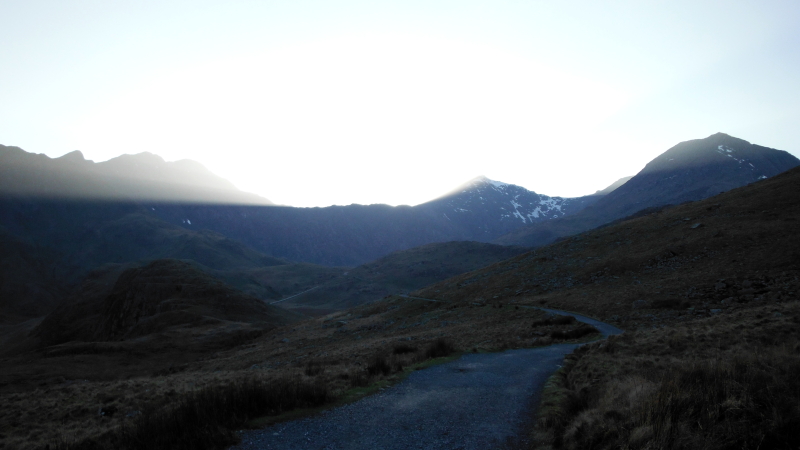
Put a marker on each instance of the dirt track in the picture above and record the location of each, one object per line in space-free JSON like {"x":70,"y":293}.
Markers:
{"x":475,"y":402}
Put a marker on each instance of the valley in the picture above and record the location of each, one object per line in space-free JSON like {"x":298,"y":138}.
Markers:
{"x":121,"y":319}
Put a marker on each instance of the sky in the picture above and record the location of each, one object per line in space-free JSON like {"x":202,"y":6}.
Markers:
{"x":314,"y":103}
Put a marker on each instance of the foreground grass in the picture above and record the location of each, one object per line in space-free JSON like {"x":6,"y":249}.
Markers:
{"x":208,"y":418}
{"x":205,"y":419}
{"x":353,"y":394}
{"x":660,"y":389}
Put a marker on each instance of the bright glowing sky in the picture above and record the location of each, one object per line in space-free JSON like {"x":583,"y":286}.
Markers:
{"x":317,"y":103}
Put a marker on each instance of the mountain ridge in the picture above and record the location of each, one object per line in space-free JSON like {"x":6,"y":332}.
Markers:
{"x":689,"y":171}
{"x":139,"y":177}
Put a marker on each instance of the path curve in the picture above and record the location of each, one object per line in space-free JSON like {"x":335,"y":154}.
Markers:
{"x":475,"y":402}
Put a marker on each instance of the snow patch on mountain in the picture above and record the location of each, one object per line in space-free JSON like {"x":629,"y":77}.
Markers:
{"x":509,"y":201}
{"x":727,"y":151}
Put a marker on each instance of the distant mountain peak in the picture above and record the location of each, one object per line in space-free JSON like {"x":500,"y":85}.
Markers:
{"x":485,"y":180}
{"x":721,"y":150}
{"x":689,"y":171}
{"x":479,"y":183}
{"x":492,"y":207}
{"x":73,"y":156}
{"x":143,"y":158}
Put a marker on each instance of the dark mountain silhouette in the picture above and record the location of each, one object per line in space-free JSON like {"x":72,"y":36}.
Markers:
{"x":481,"y":210}
{"x":692,"y":170}
{"x":85,"y":234}
{"x":141,"y":177}
{"x":52,"y":201}
{"x":31,"y":281}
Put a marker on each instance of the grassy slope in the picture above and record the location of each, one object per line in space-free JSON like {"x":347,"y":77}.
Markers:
{"x":710,"y":309}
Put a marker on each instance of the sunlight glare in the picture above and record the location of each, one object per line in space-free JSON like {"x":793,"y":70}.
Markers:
{"x":367,"y":109}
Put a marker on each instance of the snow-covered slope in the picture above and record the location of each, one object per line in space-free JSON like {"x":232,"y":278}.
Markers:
{"x":488,"y":207}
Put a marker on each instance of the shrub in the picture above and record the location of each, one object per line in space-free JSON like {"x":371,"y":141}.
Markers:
{"x":358,"y":379}
{"x":401,"y":349}
{"x":314,"y":368}
{"x":554,"y":320}
{"x":575,"y":333}
{"x":439,"y":348}
{"x":379,"y":365}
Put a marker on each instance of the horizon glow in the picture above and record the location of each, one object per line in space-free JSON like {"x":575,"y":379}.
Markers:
{"x":314,"y":104}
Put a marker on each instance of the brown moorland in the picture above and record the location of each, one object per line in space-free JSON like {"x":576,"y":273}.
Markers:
{"x":195,"y":376}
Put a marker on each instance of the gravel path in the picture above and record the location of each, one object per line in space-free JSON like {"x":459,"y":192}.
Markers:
{"x":475,"y":402}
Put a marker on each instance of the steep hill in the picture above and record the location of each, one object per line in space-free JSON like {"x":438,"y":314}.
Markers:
{"x":689,"y":171}
{"x":165,"y":294}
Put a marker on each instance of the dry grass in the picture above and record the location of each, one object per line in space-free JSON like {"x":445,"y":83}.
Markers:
{"x":660,"y":389}
{"x":750,"y":401}
{"x":207,"y":418}
{"x":49,"y":399}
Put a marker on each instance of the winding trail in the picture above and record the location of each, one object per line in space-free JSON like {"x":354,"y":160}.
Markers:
{"x":475,"y":402}
{"x":293,"y":296}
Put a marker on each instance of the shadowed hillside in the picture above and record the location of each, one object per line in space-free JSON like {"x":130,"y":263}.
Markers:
{"x":708,"y":294}
{"x":72,"y":238}
{"x":31,"y":281}
{"x":165,"y":294}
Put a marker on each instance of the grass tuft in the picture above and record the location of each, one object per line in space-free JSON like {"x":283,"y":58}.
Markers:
{"x":206,"y":419}
{"x":314,"y":368}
